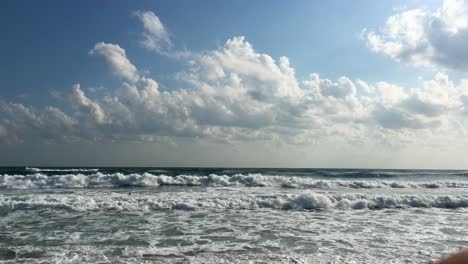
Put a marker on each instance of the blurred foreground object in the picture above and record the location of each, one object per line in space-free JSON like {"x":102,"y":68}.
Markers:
{"x":460,"y":257}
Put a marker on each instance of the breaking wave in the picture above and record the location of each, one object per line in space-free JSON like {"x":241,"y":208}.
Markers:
{"x":31,"y":169}
{"x":120,"y":180}
{"x":222,"y":201}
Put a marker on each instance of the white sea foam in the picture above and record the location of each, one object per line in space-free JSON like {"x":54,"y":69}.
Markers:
{"x":176,"y":255}
{"x":229,"y":218}
{"x":31,"y":169}
{"x":224,"y":200}
{"x":120,"y":180}
{"x":157,"y":171}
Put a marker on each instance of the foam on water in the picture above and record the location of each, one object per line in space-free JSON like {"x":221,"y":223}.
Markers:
{"x":120,"y":180}
{"x":175,"y":255}
{"x":216,"y":215}
{"x":31,"y":169}
{"x":224,"y":200}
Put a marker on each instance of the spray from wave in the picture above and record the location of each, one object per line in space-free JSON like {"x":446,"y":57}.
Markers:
{"x":120,"y":180}
{"x":32,"y":169}
{"x":226,"y":201}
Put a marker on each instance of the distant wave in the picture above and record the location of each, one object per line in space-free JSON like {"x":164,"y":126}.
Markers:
{"x":120,"y":180}
{"x":219,"y":200}
{"x":157,"y":171}
{"x":30,"y":169}
{"x":385,"y":173}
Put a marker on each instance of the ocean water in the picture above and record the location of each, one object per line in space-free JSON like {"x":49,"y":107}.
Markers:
{"x":219,"y":215}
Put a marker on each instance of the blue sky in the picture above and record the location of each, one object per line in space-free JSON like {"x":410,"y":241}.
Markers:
{"x":45,"y":44}
{"x":230,"y":77}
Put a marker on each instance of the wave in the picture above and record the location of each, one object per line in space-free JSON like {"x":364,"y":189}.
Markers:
{"x":31,"y":169}
{"x":157,"y":171}
{"x":223,"y":201}
{"x":120,"y":180}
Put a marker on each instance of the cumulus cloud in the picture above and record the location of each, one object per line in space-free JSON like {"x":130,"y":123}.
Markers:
{"x":342,"y":88}
{"x":115,"y":56}
{"x":155,"y":36}
{"x":364,"y":86}
{"x":389,"y":93}
{"x":426,"y":38}
{"x":422,"y":107}
{"x":236,"y":93}
{"x":250,"y":96}
{"x":86,"y":108}
{"x":23,"y":123}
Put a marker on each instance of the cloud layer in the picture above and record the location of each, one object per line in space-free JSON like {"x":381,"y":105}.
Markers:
{"x":425,"y":38}
{"x":236,"y":93}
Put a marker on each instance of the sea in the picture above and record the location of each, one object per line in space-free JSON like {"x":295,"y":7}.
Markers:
{"x":231,"y":215}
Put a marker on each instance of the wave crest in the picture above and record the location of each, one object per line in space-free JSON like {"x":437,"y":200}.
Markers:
{"x":120,"y":180}
{"x":222,"y":201}
{"x":32,"y":169}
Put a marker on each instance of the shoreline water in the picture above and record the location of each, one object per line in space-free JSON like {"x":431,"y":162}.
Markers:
{"x":86,"y":215}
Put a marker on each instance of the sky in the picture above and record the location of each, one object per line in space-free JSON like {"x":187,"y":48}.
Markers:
{"x":341,"y":84}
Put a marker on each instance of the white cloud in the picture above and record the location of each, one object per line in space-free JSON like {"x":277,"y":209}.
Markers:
{"x":423,"y":107}
{"x":344,"y":87}
{"x":155,"y":36}
{"x":424,"y":38}
{"x":115,"y":56}
{"x":239,"y":94}
{"x":390,"y":93}
{"x":86,"y":108}
{"x":364,"y":86}
{"x":22,"y":123}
